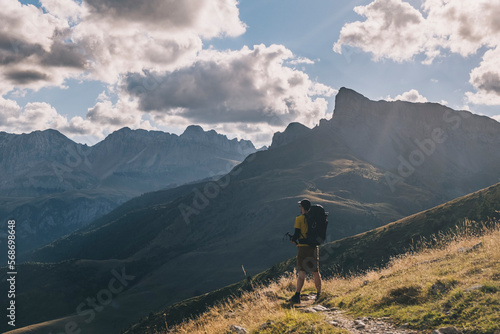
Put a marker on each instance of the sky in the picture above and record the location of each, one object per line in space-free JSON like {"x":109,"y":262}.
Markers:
{"x":244,"y":68}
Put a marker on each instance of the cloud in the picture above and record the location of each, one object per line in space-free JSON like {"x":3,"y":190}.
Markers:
{"x":129,"y":36}
{"x":110,"y":117}
{"x":205,"y":18}
{"x":410,"y":96}
{"x":463,"y":26}
{"x":496,"y":118}
{"x":245,"y":86}
{"x":301,"y":60}
{"x":248,"y":93}
{"x":393,"y":29}
{"x":486,"y":79}
{"x":104,"y":39}
{"x":102,"y":119}
{"x":34,"y":116}
{"x":33,"y":50}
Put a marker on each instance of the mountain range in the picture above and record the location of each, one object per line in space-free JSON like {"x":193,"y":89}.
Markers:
{"x":54,"y":186}
{"x":372,"y":163}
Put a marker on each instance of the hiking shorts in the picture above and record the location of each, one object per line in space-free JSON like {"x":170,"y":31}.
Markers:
{"x":308,"y":258}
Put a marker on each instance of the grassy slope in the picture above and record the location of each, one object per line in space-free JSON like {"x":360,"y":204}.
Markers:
{"x":350,"y":255}
{"x":438,"y":287}
{"x":453,"y":285}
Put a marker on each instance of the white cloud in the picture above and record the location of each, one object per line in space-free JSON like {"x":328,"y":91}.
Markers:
{"x":393,"y":29}
{"x":34,"y":116}
{"x":249,"y":86}
{"x":9,"y":108}
{"x":63,"y":9}
{"x":100,"y":120}
{"x":33,"y":49}
{"x":110,"y":117}
{"x":301,"y":60}
{"x":104,"y":39}
{"x":463,"y":26}
{"x":129,"y":36}
{"x":486,"y":79}
{"x":410,"y":96}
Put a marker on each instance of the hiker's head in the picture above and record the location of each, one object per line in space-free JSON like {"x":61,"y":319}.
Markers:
{"x":305,"y":205}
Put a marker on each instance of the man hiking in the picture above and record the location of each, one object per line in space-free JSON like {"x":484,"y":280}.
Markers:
{"x":307,"y":255}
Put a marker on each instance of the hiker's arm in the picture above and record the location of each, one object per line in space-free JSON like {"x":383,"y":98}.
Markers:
{"x":296,"y":235}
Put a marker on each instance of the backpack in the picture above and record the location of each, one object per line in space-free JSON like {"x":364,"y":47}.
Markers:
{"x":317,"y":222}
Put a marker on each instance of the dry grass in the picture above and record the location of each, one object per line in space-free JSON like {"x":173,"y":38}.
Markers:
{"x":256,"y":307}
{"x":452,"y":284}
{"x":456,"y":282}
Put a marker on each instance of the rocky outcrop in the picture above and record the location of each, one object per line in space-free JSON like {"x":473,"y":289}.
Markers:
{"x":293,"y":132}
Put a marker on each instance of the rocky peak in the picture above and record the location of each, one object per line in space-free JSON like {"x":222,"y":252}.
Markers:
{"x":413,"y":140}
{"x":292,"y":132}
{"x":195,"y":133}
{"x":193,"y":130}
{"x":36,"y":143}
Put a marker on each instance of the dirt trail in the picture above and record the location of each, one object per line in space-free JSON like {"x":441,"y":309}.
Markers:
{"x":338,"y":318}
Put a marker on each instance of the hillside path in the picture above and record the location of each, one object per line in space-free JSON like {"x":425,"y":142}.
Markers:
{"x":338,"y":318}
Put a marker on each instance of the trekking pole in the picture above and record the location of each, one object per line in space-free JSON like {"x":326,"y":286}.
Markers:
{"x":287,"y":235}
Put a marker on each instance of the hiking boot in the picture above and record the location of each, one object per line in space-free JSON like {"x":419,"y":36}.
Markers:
{"x":317,"y":296}
{"x":295,"y":299}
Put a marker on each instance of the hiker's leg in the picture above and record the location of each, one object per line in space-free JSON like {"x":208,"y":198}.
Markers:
{"x":317,"y":281}
{"x":301,"y":277}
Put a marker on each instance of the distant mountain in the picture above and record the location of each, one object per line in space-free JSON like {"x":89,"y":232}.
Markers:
{"x":149,"y":160}
{"x":365,"y":171}
{"x":45,"y":162}
{"x":53,"y":186}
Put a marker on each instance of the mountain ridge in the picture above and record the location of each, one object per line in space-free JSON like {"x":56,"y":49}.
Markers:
{"x":55,"y":186}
